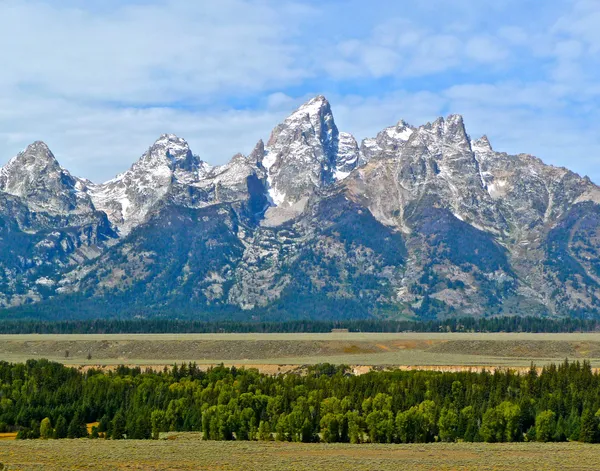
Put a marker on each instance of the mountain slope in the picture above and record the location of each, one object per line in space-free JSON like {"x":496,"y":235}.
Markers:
{"x":418,"y":221}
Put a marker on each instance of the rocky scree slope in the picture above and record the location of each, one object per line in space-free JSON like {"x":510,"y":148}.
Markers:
{"x":418,"y":221}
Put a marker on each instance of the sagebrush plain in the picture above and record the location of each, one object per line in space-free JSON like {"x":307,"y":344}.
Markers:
{"x":266,"y":351}
{"x":186,"y":451}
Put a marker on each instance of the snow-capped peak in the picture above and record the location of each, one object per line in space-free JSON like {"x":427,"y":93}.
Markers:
{"x":173,"y":151}
{"x":314,"y":108}
{"x":175,"y":147}
{"x":127,"y":198}
{"x":402,"y":131}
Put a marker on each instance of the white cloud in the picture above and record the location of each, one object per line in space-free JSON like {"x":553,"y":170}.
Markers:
{"x":149,"y":52}
{"x":485,"y":49}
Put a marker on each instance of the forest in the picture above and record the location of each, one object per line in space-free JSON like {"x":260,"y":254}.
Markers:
{"x":46,"y":400}
{"x":173,"y":325}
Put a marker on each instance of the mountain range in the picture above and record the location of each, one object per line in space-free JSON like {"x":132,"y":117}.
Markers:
{"x":421,"y":222}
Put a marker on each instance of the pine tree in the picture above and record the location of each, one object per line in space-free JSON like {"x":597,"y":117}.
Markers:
{"x":61,"y":429}
{"x":118,"y":426}
{"x":589,"y":427}
{"x":77,"y":427}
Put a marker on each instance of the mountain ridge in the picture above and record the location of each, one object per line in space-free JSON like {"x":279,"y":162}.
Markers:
{"x":416,"y":222}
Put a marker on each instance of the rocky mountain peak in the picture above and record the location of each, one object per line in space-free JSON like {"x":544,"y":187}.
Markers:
{"x":387,"y":143}
{"x":36,"y":176}
{"x":402,"y":131}
{"x":455,"y":127}
{"x":443,"y":135}
{"x":173,"y":152}
{"x":318,"y":111}
{"x":38,"y":150}
{"x":302,"y":153}
{"x":482,"y":144}
{"x":258,"y":153}
{"x":307,"y":152}
{"x":35,"y":158}
{"x":128,"y":198}
{"x":311,"y":121}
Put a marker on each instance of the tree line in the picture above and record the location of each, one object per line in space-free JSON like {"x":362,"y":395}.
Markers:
{"x":180,"y":326}
{"x":42,"y":399}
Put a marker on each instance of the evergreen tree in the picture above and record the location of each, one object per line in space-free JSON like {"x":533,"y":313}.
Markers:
{"x":157,"y":420}
{"x":77,"y":427}
{"x":589,"y":427}
{"x":118,"y":426}
{"x":61,"y":429}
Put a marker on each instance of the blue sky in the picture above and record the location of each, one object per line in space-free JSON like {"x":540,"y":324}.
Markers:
{"x":99,"y":80}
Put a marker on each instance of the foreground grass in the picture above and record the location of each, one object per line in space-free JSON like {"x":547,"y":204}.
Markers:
{"x":185,"y":451}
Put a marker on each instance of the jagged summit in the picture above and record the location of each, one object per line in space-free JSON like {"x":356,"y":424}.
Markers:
{"x":171,"y":151}
{"x":306,"y":153}
{"x":314,"y":108}
{"x":174,"y":145}
{"x":482,"y":144}
{"x":36,"y":176}
{"x":387,"y":143}
{"x":36,"y":155}
{"x":38,"y":149}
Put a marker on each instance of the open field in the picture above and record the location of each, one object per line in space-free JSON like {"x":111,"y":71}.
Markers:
{"x":188,"y":452}
{"x":267,"y":351}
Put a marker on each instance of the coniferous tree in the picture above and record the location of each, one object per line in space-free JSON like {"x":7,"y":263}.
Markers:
{"x":77,"y":427}
{"x":118,"y":426}
{"x":589,"y":427}
{"x":61,"y":429}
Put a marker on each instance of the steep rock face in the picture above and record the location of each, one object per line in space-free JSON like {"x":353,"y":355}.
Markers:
{"x":307,"y":152}
{"x":421,"y":221}
{"x":239,"y":180}
{"x":435,"y":165}
{"x":347,"y":158}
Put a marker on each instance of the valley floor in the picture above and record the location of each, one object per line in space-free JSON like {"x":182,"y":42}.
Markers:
{"x":185,"y":451}
{"x":274,"y":353}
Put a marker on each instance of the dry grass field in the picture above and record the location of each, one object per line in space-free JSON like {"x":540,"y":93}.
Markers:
{"x":268,"y":351}
{"x":188,"y":452}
